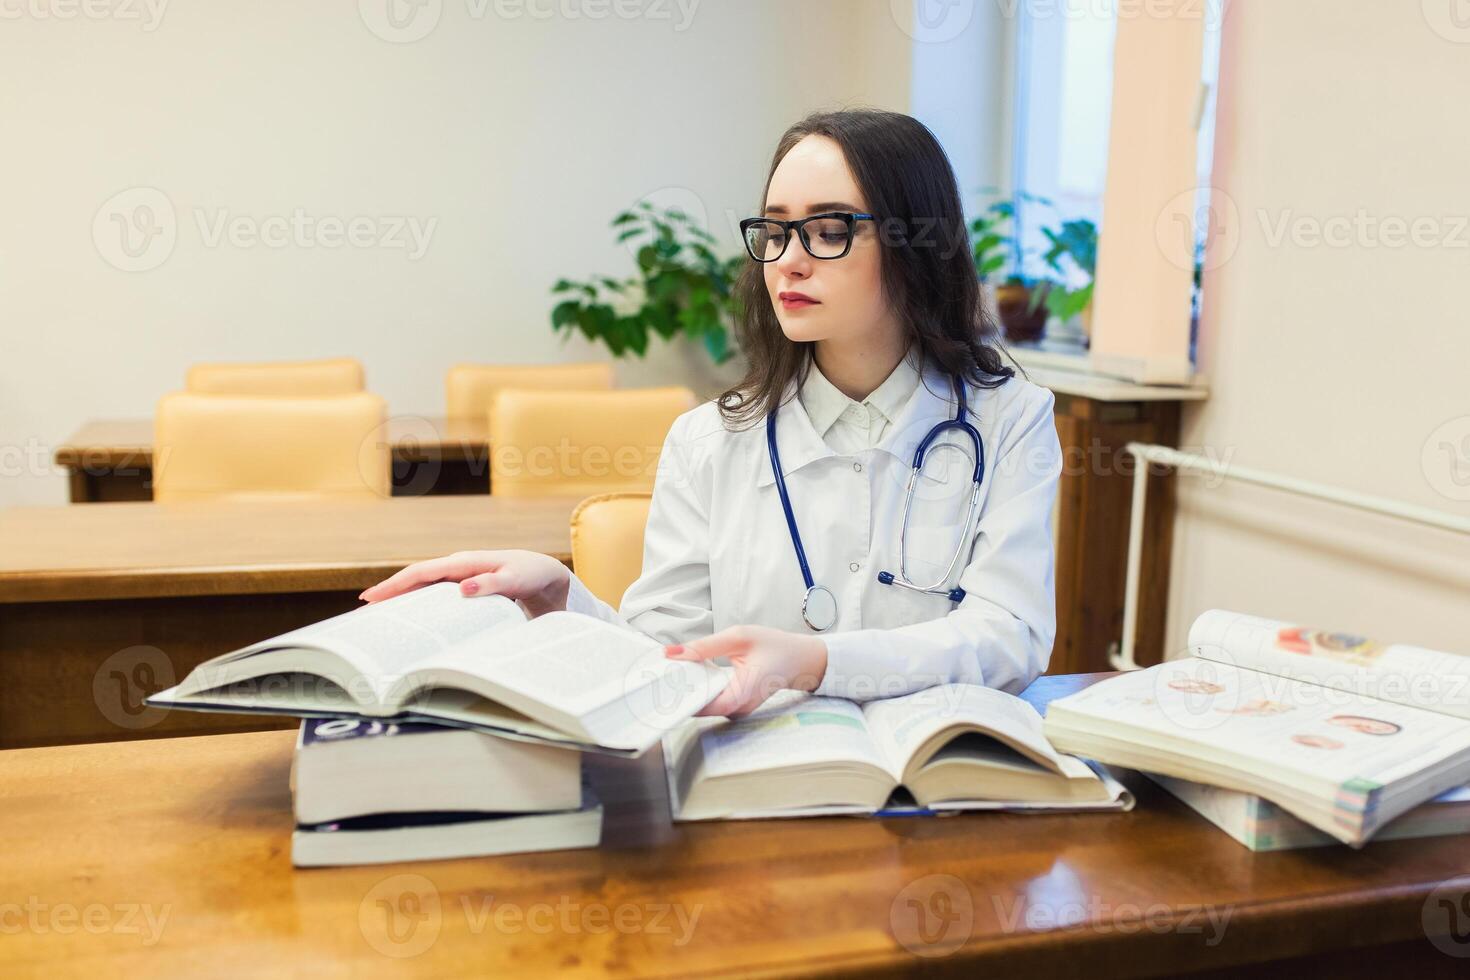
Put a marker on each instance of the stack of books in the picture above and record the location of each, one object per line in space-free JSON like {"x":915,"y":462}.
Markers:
{"x":439,"y":726}
{"x":369,"y":792}
{"x":1288,"y":736}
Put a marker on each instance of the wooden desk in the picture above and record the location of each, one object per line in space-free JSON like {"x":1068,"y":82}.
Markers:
{"x":102,"y":605}
{"x":112,"y":460}
{"x":194,"y":832}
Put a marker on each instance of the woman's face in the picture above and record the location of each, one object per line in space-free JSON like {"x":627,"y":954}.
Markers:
{"x":850,"y":306}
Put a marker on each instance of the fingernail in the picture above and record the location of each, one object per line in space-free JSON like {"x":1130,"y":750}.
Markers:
{"x":673,"y":649}
{"x":470,"y":588}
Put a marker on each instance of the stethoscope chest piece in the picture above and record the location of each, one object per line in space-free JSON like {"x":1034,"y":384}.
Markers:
{"x":819,"y":608}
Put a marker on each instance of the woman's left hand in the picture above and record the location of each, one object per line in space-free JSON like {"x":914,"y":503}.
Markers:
{"x":766,"y":660}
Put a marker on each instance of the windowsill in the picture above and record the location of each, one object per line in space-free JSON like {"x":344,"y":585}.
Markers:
{"x":1067,"y":370}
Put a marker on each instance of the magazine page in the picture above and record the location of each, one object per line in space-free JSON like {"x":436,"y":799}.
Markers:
{"x":1252,"y":721}
{"x":1430,"y":679}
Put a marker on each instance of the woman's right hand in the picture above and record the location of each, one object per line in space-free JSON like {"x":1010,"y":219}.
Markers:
{"x":539,"y":581}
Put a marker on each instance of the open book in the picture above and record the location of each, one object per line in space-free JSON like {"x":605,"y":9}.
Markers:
{"x":958,"y":746}
{"x":434,"y":655}
{"x":1340,"y":731}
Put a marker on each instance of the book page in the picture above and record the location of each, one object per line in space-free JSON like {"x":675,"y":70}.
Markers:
{"x":790,"y":729}
{"x":902,"y":725}
{"x":1404,"y":674}
{"x":571,"y":662}
{"x":1253,"y":720}
{"x":384,"y":640}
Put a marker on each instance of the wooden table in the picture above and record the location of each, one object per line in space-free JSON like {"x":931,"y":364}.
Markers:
{"x":102,"y":605}
{"x":112,"y":459}
{"x":177,"y":853}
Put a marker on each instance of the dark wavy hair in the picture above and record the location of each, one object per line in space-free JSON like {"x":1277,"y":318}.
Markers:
{"x":928,"y":272}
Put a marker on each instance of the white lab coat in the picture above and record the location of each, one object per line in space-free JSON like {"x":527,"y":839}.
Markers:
{"x":717,"y":552}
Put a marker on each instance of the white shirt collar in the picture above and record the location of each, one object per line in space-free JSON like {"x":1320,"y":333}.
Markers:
{"x":825,"y":402}
{"x":930,"y":401}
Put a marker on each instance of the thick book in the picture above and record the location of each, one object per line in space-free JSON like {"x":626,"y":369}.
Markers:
{"x":1263,"y":826}
{"x":1342,"y":732}
{"x":352,"y":767}
{"x":952,"y":747}
{"x":434,"y":655}
{"x":433,"y":836}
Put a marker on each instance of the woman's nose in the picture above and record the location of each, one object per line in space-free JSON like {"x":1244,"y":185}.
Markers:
{"x":796,"y":263}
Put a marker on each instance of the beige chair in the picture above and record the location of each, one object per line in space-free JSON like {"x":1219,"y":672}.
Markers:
{"x":221,"y":446}
{"x":607,"y":542}
{"x":578,"y":443}
{"x":338,"y":376}
{"x":471,"y":388}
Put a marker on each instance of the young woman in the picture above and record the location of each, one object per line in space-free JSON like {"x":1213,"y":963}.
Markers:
{"x":864,"y":323}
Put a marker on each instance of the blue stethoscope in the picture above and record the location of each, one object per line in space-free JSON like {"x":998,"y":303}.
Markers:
{"x":819,"y":605}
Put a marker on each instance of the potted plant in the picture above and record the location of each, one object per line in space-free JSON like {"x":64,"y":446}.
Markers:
{"x":681,"y":287}
{"x":1076,"y":242}
{"x":1019,"y":298}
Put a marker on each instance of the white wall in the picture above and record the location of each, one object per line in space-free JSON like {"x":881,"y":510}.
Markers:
{"x":518,"y":134}
{"x":1339,"y":351}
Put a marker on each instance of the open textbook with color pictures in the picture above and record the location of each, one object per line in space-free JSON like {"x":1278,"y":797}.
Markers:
{"x":433,"y":655}
{"x":953,"y":747}
{"x":1340,"y":731}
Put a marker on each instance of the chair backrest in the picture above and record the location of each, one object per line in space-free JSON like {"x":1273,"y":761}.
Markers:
{"x":338,"y":376}
{"x":234,"y":446}
{"x":607,"y":542}
{"x":471,"y":388}
{"x":578,"y":443}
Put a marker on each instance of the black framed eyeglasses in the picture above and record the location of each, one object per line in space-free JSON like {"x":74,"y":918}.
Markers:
{"x":825,"y":236}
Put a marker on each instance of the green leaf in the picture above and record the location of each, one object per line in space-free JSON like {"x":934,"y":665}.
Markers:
{"x":717,"y":343}
{"x":991,"y":266}
{"x":564,"y":314}
{"x":623,"y":218}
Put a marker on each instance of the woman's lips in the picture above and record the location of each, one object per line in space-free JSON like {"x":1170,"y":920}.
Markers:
{"x":791,"y":301}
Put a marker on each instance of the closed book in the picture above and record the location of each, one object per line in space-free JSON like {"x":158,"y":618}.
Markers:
{"x":385,"y":838}
{"x":348,"y":768}
{"x":1263,"y":826}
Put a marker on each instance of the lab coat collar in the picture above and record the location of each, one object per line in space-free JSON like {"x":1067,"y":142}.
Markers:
{"x":797,"y":439}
